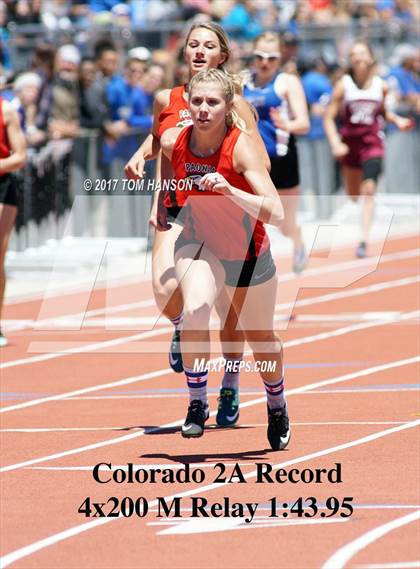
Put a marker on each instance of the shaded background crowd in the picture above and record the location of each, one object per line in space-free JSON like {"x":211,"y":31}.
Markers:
{"x":83,"y":76}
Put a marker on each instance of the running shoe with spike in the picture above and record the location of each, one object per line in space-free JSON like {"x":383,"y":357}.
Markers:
{"x":228,"y":410}
{"x":198,"y":413}
{"x":300,"y":260}
{"x":278,"y":431}
{"x":175,"y":356}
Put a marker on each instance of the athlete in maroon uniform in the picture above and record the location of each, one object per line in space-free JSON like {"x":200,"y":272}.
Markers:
{"x":12,"y":157}
{"x":359,"y":103}
{"x":223,"y":245}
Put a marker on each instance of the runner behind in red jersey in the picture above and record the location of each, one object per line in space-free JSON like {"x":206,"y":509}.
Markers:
{"x":223,"y":245}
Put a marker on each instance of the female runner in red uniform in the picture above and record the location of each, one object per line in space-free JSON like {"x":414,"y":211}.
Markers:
{"x":12,"y":158}
{"x":206,"y":46}
{"x":359,"y":102}
{"x":223,"y":245}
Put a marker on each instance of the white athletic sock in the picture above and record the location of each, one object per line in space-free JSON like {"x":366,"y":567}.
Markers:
{"x":197,"y":384}
{"x":177,"y":321}
{"x":231,"y":375}
{"x":275,"y":393}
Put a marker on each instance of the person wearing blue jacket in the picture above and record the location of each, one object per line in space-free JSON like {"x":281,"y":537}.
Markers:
{"x":317,"y":162}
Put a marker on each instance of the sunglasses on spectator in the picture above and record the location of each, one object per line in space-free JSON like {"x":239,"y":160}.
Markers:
{"x":260,"y":55}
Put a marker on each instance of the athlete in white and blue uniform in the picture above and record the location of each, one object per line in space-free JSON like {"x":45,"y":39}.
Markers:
{"x":280,"y":102}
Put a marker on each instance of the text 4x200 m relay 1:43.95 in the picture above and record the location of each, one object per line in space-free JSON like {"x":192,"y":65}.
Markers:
{"x":199,"y":507}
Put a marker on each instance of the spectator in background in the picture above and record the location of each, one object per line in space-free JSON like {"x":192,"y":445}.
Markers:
{"x":55,"y":14}
{"x":241,"y":21}
{"x":107,"y":61}
{"x":25,"y":11}
{"x":366,"y":10}
{"x":404,"y":81}
{"x":140,"y":58}
{"x":131,"y":107}
{"x":321,"y":11}
{"x":289,"y":49}
{"x":135,"y":106}
{"x":94,"y":110}
{"x":153,"y":81}
{"x":27,"y":87}
{"x":314,"y":153}
{"x":102,"y":5}
{"x":63,"y":121}
{"x":5,"y":60}
{"x":43,"y":64}
{"x":404,"y":11}
{"x":166,"y":60}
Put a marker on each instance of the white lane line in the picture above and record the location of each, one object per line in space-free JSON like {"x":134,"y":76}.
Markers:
{"x":345,"y":391}
{"x":43,"y":323}
{"x":341,"y":557}
{"x":79,"y":349}
{"x":179,"y":422}
{"x":124,"y":467}
{"x":81,"y":429}
{"x":9,"y":558}
{"x":62,"y":348}
{"x":347,"y":316}
{"x":340,"y":379}
{"x":396,"y":565}
{"x":111,"y":343}
{"x":89,"y":316}
{"x":165,"y":371}
{"x":359,"y":291}
{"x":389,"y":257}
{"x":206,"y":525}
{"x":6,"y":560}
{"x":350,"y":390}
{"x":353,"y":328}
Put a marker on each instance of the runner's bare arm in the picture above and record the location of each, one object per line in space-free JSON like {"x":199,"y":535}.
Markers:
{"x":297,"y":102}
{"x":16,"y":139}
{"x":338,"y":148}
{"x":265,"y":203}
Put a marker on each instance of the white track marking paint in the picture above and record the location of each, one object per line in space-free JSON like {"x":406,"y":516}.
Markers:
{"x":179,"y":422}
{"x":396,"y":565}
{"x":9,"y":558}
{"x":158,"y":373}
{"x":87,"y":348}
{"x":340,"y":379}
{"x":63,"y":321}
{"x":343,"y":555}
{"x":65,"y":351}
{"x":82,"y":429}
{"x":95,"y":346}
{"x":135,"y":466}
{"x":345,"y":265}
{"x":384,"y":285}
{"x":42,"y":323}
{"x":208,"y":525}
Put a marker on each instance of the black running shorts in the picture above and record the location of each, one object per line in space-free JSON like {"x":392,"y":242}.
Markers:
{"x":239,"y":273}
{"x":8,"y":192}
{"x":285,"y":169}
